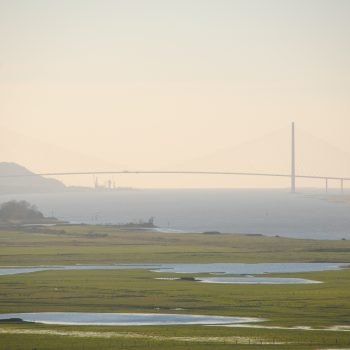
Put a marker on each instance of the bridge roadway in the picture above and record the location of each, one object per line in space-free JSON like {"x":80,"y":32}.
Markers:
{"x":180,"y":172}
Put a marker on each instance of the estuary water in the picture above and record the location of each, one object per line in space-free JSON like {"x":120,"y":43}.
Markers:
{"x":123,"y":319}
{"x":214,"y":268}
{"x":268,"y":212}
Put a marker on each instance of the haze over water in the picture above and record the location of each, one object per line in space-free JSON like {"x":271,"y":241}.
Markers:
{"x":268,"y":212}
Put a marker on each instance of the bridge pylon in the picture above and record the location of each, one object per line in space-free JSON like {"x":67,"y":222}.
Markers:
{"x":292,"y":174}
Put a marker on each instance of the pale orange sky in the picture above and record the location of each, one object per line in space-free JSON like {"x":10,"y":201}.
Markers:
{"x":157,"y":84}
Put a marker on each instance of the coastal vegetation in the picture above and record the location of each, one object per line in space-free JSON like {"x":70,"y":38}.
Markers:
{"x":21,"y":213}
{"x":19,"y":210}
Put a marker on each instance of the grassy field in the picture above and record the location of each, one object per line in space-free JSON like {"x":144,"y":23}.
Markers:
{"x":316,"y":305}
{"x":101,"y":244}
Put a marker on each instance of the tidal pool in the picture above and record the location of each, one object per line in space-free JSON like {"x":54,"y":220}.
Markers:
{"x":242,"y":280}
{"x":223,"y":268}
{"x":124,"y":319}
{"x":247,"y":269}
{"x":255,"y":280}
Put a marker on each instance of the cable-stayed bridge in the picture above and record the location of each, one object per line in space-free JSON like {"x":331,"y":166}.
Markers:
{"x":175,"y":172}
{"x":292,"y":175}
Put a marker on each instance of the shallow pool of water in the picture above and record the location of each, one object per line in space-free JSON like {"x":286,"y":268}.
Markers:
{"x":255,"y":280}
{"x":224,"y":268}
{"x":123,"y":319}
{"x":246,"y":269}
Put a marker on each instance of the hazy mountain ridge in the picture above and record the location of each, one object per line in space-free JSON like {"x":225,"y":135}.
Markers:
{"x":25,"y":182}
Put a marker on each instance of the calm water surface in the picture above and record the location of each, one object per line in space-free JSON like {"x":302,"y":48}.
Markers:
{"x":123,"y":319}
{"x":222,"y":268}
{"x":255,"y":280}
{"x":269,"y":212}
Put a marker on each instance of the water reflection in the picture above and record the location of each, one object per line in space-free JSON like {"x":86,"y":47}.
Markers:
{"x":123,"y":319}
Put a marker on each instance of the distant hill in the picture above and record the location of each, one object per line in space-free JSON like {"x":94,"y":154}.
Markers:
{"x":25,"y":182}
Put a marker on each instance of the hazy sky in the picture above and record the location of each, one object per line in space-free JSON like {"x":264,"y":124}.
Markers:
{"x":155,"y":84}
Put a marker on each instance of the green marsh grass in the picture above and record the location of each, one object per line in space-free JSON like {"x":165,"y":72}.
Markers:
{"x":315,"y":305}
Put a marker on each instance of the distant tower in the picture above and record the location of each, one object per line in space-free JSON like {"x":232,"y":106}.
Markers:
{"x":292,"y":174}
